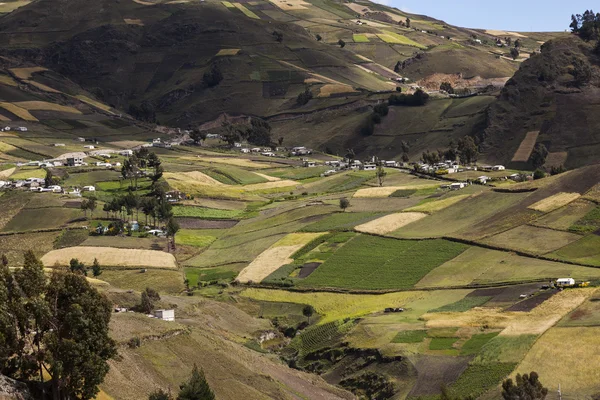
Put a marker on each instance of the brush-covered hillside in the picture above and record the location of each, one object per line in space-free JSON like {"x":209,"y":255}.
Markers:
{"x":182,"y":63}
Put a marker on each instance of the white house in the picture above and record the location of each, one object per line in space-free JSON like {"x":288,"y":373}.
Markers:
{"x":309,"y":164}
{"x":55,"y":188}
{"x":126,"y":153}
{"x":255,"y":150}
{"x":498,"y":168}
{"x":369,"y":167}
{"x":165,"y":315}
{"x":391,"y":164}
{"x":245,"y":150}
{"x":89,"y":146}
{"x":268,"y":154}
{"x":483,"y":179}
{"x":458,"y":185}
{"x":89,"y":188}
{"x":59,"y":145}
{"x":22,"y":129}
{"x":565,"y":282}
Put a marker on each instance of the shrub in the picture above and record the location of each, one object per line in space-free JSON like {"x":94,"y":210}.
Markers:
{"x":419,"y":98}
{"x":304,"y":97}
{"x":213,"y":76}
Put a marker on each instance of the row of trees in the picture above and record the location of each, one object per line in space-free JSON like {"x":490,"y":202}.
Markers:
{"x":54,"y":328}
{"x":586,"y":25}
{"x":465,"y":150}
{"x":136,"y":166}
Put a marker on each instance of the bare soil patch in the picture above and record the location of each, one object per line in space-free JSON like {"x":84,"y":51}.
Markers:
{"x":308,"y":269}
{"x":435,"y":371}
{"x":532,"y":302}
{"x":196,"y":223}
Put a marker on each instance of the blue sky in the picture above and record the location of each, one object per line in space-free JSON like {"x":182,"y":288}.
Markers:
{"x":514,"y":15}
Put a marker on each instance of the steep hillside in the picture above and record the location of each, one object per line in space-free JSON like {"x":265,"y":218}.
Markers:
{"x":555,"y":93}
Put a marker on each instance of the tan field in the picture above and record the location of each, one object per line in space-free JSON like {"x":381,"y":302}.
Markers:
{"x":358,"y":8}
{"x":270,"y":185}
{"x":386,"y":191}
{"x":144,"y":3}
{"x":7,"y":172}
{"x":276,"y":256}
{"x":526,"y":147}
{"x":127,"y":144}
{"x":43,"y":105}
{"x":239,"y":162}
{"x":43,"y":87}
{"x":496,"y":32}
{"x":575,"y":368}
{"x":389,"y":223}
{"x":329,"y":89}
{"x":554,"y":202}
{"x":513,"y":323}
{"x":133,"y":21}
{"x":3,"y":118}
{"x":18,"y":111}
{"x":288,"y":5}
{"x":227,"y":52}
{"x":438,"y":205}
{"x":94,"y":103}
{"x":110,"y":256}
{"x":7,"y":80}
{"x":268,"y":177}
{"x":25,"y":73}
{"x":200,"y":178}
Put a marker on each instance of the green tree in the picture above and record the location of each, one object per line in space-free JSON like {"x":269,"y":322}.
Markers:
{"x":528,"y":387}
{"x":514,"y":53}
{"x":77,"y":267}
{"x":308,"y":311}
{"x":304,"y":97}
{"x":92,"y":204}
{"x":196,"y":388}
{"x":78,"y":344}
{"x":538,"y":155}
{"x":318,"y":37}
{"x":408,"y":22}
{"x":96,"y":268}
{"x":197,"y":135}
{"x":146,"y":305}
{"x":172,"y":229}
{"x":447,"y":87}
{"x":344,"y":203}
{"x":467,"y":150}
{"x":380,"y":174}
{"x":539,"y":174}
{"x":341,"y":43}
{"x":213,"y":76}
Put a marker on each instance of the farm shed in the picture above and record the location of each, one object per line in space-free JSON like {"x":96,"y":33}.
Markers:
{"x":165,"y":315}
{"x":565,"y":282}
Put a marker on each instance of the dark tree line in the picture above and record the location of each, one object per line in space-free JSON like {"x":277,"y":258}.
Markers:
{"x":56,"y":327}
{"x":419,"y":98}
{"x":465,"y":150}
{"x":586,"y":25}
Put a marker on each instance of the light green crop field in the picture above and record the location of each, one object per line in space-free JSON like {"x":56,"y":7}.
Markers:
{"x":368,"y":262}
{"x":246,"y":12}
{"x":342,"y":221}
{"x":205,"y":213}
{"x":42,"y":218}
{"x":532,"y":239}
{"x":478,"y":265}
{"x":190,"y":237}
{"x":360,"y":38}
{"x":394,"y":38}
{"x":586,"y":250}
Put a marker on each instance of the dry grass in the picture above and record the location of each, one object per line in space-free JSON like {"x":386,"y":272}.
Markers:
{"x":390,"y":223}
{"x":496,"y":32}
{"x":526,"y":147}
{"x":144,"y":3}
{"x":110,"y":256}
{"x":93,"y":102}
{"x":239,"y":162}
{"x":7,"y":172}
{"x":270,"y":185}
{"x":438,"y":205}
{"x":45,"y":106}
{"x":18,"y":111}
{"x":26,"y":73}
{"x":593,"y":194}
{"x":133,"y":21}
{"x":330,"y":88}
{"x":556,"y":159}
{"x":43,"y":87}
{"x":289,"y":5}
{"x":276,"y":256}
{"x":7,"y":80}
{"x":554,"y":202}
{"x":386,"y":191}
{"x":268,"y":177}
{"x":566,"y":356}
{"x":513,"y":323}
{"x":5,"y":119}
{"x":227,"y":52}
{"x":200,"y":178}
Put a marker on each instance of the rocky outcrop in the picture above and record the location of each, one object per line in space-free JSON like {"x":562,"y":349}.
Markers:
{"x":13,"y":390}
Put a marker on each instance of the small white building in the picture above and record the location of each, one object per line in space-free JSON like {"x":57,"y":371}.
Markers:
{"x":165,"y":315}
{"x":89,"y":146}
{"x":391,"y":164}
{"x":245,"y":150}
{"x":59,"y":145}
{"x":458,"y":185}
{"x":369,"y":167}
{"x":562,"y":282}
{"x":483,"y":179}
{"x":126,"y":153}
{"x":268,"y":154}
{"x":55,"y":188}
{"x":22,"y":129}
{"x":89,"y":188}
{"x":309,"y":164}
{"x":498,"y":168}
{"x":255,"y":150}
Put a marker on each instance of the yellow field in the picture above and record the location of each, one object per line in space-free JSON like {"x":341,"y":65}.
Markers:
{"x":526,"y":147}
{"x":438,"y":205}
{"x":554,"y":202}
{"x":330,"y":88}
{"x":43,"y":87}
{"x":25,"y":73}
{"x":386,"y":191}
{"x":144,"y":3}
{"x":496,"y":32}
{"x":133,"y":21}
{"x":45,"y":106}
{"x":289,"y":5}
{"x":335,"y":306}
{"x":389,"y":223}
{"x":18,"y":111}
{"x":93,"y":102}
{"x":393,"y":37}
{"x":199,"y":178}
{"x":7,"y":80}
{"x":569,"y":357}
{"x":246,"y":12}
{"x":227,"y":52}
{"x":239,"y":162}
{"x":111,"y":257}
{"x":270,"y":185}
{"x":228,"y":4}
{"x":268,"y":177}
{"x":276,"y":256}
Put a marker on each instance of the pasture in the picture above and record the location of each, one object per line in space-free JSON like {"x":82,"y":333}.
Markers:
{"x":360,"y":38}
{"x":585,"y":250}
{"x":367,"y":262}
{"x":532,"y":239}
{"x":437,"y":205}
{"x":111,"y":257}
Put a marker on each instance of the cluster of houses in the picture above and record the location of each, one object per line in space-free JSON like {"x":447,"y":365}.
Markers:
{"x":17,"y":129}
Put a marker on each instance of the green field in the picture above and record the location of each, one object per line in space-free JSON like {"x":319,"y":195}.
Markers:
{"x":231,"y":175}
{"x":205,"y":213}
{"x":195,"y":275}
{"x":190,"y":237}
{"x":342,"y":221}
{"x":360,"y":38}
{"x":296,"y":174}
{"x":42,"y":218}
{"x":394,"y":38}
{"x":589,"y":223}
{"x":464,"y":304}
{"x":368,"y":262}
{"x":416,"y":336}
{"x":476,"y":343}
{"x":480,"y":377}
{"x":320,"y":336}
{"x":442,"y":343}
{"x":586,"y":251}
